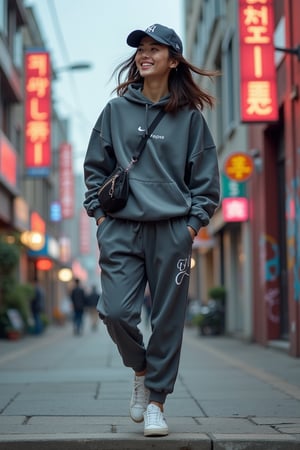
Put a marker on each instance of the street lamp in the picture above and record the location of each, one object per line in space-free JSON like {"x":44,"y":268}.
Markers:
{"x":70,"y":67}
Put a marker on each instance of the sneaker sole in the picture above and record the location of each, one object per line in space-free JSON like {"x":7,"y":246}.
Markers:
{"x":156,"y":432}
{"x":137,"y":421}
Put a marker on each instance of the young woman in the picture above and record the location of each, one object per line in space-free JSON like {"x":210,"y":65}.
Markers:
{"x":174,"y":190}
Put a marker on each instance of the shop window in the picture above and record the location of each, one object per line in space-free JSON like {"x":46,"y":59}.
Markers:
{"x":230,"y":85}
{"x":3,"y":17}
{"x":18,"y":49}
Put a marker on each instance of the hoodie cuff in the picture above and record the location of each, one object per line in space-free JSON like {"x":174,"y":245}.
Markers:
{"x":195,"y":223}
{"x":98,"y":213}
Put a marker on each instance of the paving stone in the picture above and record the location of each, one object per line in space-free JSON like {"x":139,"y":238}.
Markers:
{"x":76,"y":397}
{"x":230,"y":426}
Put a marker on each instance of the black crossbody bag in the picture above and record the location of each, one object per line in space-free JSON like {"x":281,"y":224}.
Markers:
{"x":113,"y":194}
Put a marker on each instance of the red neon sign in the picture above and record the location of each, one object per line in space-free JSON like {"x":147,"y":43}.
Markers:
{"x":235,"y":209}
{"x":8,"y":161}
{"x":257,"y":67}
{"x":44,"y":264}
{"x":66,"y":181}
{"x":37,"y":223}
{"x":37,"y":113}
{"x":84,"y":234}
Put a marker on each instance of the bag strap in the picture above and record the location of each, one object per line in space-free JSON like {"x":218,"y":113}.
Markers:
{"x":144,"y":139}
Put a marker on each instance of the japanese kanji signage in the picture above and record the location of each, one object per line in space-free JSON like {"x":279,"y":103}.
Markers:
{"x":37,"y":113}
{"x":257,"y":70}
{"x":238,"y":166}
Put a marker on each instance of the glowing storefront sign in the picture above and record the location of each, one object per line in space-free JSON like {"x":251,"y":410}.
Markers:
{"x":238,"y":166}
{"x":44,"y":264}
{"x":55,"y":212}
{"x":37,"y":223}
{"x":66,"y":181}
{"x":84,"y":233}
{"x":8,"y":161}
{"x":235,"y":209}
{"x":37,"y":113}
{"x":65,"y":274}
{"x":35,"y":238}
{"x":232,"y":188}
{"x":257,"y":64}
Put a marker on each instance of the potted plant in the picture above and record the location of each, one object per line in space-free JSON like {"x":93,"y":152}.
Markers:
{"x":210,"y":320}
{"x":217,"y":293}
{"x":14,"y":297}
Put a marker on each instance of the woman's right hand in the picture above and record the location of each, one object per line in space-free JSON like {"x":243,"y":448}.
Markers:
{"x":100,"y":220}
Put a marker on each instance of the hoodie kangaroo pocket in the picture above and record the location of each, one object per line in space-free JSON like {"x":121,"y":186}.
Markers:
{"x":163,"y":199}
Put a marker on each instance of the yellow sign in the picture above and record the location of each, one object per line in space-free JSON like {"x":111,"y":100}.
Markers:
{"x":239,"y":166}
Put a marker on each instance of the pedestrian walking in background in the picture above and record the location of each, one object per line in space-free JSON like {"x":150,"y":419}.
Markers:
{"x":174,"y":190}
{"x":91,"y":303}
{"x":37,"y":306}
{"x":78,"y":299}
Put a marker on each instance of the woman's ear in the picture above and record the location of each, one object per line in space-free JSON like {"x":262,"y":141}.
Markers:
{"x":173,"y":64}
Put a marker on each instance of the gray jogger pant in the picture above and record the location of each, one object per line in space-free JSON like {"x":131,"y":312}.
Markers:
{"x":132,"y":253}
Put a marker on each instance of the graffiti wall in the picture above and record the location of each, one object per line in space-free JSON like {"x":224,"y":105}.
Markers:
{"x":270,"y":266}
{"x":293,"y":234}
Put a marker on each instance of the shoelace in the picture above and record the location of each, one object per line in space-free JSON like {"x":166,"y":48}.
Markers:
{"x":154,"y":414}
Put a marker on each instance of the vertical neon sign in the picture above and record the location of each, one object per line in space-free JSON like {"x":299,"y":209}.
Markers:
{"x":257,"y":67}
{"x":37,"y":113}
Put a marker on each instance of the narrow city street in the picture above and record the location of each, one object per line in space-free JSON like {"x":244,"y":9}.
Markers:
{"x":60,"y":391}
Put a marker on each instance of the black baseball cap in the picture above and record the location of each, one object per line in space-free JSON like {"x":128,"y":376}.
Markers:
{"x":159,"y":33}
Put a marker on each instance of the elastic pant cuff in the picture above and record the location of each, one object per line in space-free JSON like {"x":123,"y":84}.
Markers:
{"x":159,"y":397}
{"x":139,"y":368}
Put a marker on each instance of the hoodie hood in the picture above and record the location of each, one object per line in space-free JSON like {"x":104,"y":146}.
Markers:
{"x":134,"y":94}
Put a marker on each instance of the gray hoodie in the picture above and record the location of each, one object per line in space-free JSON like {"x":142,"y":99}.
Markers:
{"x":177,"y":174}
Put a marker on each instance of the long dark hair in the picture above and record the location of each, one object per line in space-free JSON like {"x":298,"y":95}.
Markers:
{"x":184,"y":91}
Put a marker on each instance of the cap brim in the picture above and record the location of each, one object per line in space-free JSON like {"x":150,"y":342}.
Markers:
{"x":134,"y":38}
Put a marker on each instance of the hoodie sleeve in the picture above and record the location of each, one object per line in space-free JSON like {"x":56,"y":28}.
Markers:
{"x":99,"y":162}
{"x":202,"y":174}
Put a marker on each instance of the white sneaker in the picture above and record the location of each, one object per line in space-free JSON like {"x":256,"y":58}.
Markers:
{"x":139,"y":399}
{"x":155,"y":423}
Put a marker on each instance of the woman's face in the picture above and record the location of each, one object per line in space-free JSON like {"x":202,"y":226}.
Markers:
{"x":152,"y":59}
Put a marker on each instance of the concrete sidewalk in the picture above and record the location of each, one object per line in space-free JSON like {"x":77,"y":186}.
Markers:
{"x":59,"y":392}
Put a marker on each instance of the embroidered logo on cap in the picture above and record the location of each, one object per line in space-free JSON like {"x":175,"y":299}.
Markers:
{"x":151,"y":29}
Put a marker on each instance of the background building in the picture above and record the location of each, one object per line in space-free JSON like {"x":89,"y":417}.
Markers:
{"x":255,"y":255}
{"x":31,"y":202}
{"x":256,"y":259}
{"x":212,"y":43}
{"x":275,"y":187}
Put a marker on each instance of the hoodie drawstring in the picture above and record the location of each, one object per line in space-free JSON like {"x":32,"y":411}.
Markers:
{"x":146,"y":120}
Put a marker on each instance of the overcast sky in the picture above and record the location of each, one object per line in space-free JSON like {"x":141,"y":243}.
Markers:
{"x":94,"y":31}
